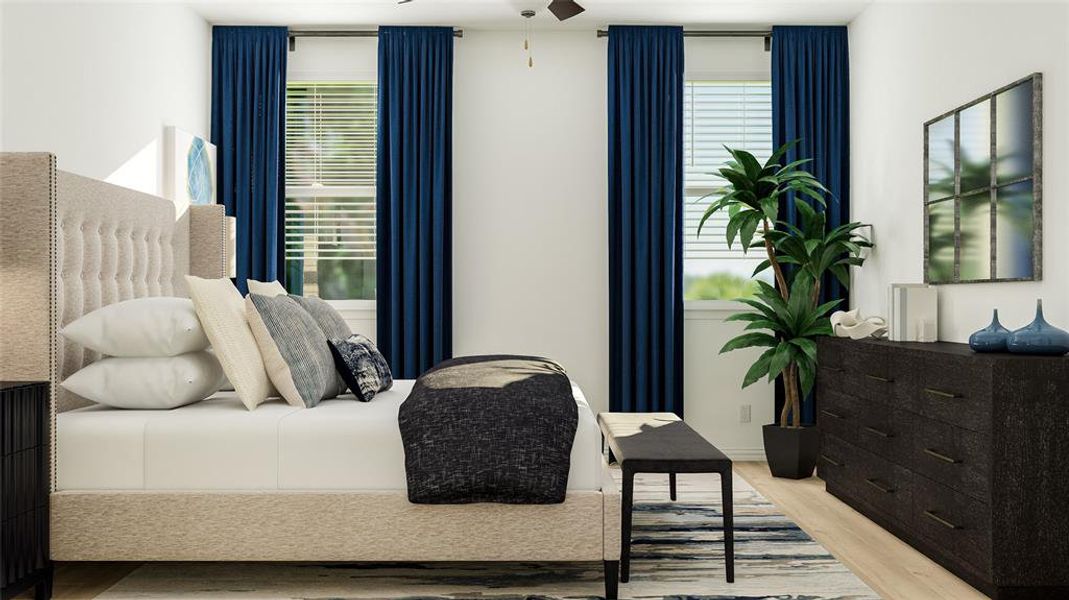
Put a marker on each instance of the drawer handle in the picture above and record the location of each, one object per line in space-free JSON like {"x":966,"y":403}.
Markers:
{"x":878,"y":378}
{"x":831,"y":414}
{"x":941,"y":456}
{"x":883,"y":488}
{"x":941,"y":393}
{"x":830,"y":461}
{"x":875,"y":431}
{"x":931,"y":515}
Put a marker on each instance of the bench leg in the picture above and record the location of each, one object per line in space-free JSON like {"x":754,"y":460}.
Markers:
{"x":672,"y":486}
{"x":729,"y":524}
{"x":612,"y":579}
{"x":625,"y":525}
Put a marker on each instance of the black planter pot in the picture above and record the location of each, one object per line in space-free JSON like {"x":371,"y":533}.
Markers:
{"x":791,"y":452}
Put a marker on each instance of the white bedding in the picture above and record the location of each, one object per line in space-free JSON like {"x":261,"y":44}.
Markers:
{"x":218,"y":444}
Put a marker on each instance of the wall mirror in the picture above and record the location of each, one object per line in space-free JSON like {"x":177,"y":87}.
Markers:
{"x":983,"y":165}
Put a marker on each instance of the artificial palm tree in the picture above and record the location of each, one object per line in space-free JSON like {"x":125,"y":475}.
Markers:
{"x":788,"y":317}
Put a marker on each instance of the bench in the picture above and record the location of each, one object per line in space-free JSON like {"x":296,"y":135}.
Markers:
{"x":663,"y":443}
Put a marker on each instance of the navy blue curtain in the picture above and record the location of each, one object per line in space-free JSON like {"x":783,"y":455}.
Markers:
{"x":811,"y":103}
{"x":248,"y":130}
{"x":646,"y":219}
{"x":415,"y":197}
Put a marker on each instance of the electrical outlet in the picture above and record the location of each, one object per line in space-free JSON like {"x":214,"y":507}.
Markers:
{"x":744,"y":413}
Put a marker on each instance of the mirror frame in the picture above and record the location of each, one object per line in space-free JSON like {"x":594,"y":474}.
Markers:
{"x":1036,"y":178}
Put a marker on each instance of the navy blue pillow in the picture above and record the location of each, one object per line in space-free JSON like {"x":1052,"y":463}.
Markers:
{"x":362,"y":366}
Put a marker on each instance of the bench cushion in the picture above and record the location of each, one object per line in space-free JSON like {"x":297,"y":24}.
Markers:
{"x":659,"y":442}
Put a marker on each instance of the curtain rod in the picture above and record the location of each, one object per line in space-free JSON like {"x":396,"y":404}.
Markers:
{"x":724,"y":33}
{"x":322,"y":33}
{"x":713,"y":33}
{"x":347,"y":33}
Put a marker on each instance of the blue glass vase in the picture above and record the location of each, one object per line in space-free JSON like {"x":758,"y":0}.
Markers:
{"x":1039,"y":337}
{"x":992,"y":338}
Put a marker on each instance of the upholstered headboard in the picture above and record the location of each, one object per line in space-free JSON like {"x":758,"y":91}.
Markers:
{"x":70,"y":244}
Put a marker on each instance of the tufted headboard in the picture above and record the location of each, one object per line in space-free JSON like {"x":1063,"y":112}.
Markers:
{"x":70,"y":244}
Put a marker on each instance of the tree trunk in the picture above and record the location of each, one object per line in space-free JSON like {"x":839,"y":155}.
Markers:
{"x":785,"y":412}
{"x":781,"y":281}
{"x":792,"y":404}
{"x":796,"y":410}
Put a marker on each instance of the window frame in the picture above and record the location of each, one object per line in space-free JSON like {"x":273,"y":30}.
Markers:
{"x":350,"y":304}
{"x":716,"y":306}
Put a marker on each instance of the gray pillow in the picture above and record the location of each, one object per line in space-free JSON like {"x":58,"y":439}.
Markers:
{"x":331,"y":322}
{"x":296,"y":355}
{"x":362,"y":366}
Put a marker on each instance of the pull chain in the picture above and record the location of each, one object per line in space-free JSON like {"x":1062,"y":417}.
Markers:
{"x":527,"y":14}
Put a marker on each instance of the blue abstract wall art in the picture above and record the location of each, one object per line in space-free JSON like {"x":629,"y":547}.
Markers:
{"x":200,"y":178}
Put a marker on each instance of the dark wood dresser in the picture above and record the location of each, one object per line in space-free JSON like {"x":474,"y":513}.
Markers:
{"x":25,"y":439}
{"x":964,"y":456}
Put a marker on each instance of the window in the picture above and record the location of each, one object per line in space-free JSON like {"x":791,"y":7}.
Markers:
{"x":330,"y":189}
{"x":718,"y":113}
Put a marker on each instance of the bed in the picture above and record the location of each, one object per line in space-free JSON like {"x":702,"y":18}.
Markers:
{"x":218,"y":444}
{"x":213,"y":481}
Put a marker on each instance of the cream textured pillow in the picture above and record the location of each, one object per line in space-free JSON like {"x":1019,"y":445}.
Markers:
{"x":222,"y":313}
{"x":265,"y":288}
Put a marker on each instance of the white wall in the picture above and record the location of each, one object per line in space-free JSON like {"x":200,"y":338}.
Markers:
{"x":911,"y":62}
{"x":97,"y":83}
{"x":333,"y":59}
{"x":530,"y":219}
{"x":530,"y":249}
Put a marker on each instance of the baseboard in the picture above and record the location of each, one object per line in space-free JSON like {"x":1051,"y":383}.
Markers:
{"x":745,"y":454}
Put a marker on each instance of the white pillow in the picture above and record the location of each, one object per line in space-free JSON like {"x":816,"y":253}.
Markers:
{"x":265,"y":288}
{"x":222,"y":313}
{"x":140,"y":327}
{"x":157,"y":382}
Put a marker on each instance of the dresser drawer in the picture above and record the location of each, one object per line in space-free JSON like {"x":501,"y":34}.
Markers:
{"x":835,"y":461}
{"x":885,"y":431}
{"x":957,"y":458}
{"x":954,"y":523}
{"x":870,"y":374}
{"x":838,"y":415}
{"x":949,"y":389}
{"x":880,"y":484}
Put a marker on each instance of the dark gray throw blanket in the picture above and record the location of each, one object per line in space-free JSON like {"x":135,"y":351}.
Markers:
{"x":489,"y":429}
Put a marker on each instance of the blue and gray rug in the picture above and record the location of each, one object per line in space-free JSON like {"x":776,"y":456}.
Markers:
{"x":677,"y":553}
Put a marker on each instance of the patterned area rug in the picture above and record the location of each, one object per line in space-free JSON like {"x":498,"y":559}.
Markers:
{"x":677,"y":555}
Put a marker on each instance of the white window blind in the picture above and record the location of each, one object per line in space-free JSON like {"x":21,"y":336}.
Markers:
{"x":330,"y":188}
{"x":718,"y":113}
{"x":330,"y":133}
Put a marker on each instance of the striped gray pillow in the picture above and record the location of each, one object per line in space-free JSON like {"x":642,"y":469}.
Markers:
{"x":332,"y":324}
{"x":295,"y":349}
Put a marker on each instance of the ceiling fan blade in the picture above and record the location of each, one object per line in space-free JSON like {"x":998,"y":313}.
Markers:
{"x":564,"y":9}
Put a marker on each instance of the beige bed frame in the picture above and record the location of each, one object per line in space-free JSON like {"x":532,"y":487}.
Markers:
{"x":68,"y":245}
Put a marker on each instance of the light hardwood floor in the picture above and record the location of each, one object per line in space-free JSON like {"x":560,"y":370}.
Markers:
{"x":893,"y":569}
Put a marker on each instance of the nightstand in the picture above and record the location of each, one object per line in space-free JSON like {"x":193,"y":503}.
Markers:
{"x":25,"y":439}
